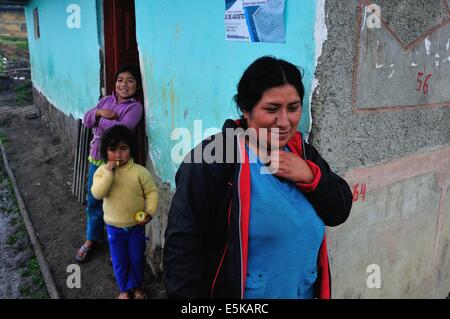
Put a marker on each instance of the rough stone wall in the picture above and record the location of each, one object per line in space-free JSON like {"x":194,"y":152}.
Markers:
{"x":12,"y":23}
{"x":66,"y":127}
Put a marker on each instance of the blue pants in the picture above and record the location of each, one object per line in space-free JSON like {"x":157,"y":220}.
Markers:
{"x":94,"y":210}
{"x":127,"y":248}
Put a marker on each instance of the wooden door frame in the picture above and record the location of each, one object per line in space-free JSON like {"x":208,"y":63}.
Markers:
{"x":112,"y":63}
{"x":111,"y":57}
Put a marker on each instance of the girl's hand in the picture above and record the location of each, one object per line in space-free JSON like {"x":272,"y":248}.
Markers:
{"x":146,"y":220}
{"x":291,"y":167}
{"x":112,"y":165}
{"x":107,"y":114}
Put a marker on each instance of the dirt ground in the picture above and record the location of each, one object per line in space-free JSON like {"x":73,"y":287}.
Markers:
{"x":43,"y":170}
{"x":12,"y":263}
{"x":20,"y":277}
{"x":9,"y":274}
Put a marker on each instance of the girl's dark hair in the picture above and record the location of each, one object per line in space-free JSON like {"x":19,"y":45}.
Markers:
{"x":265,"y":73}
{"x":134,"y":71}
{"x":113,"y":136}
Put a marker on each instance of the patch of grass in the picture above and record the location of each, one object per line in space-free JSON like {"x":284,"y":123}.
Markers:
{"x":8,"y":184}
{"x":12,"y":209}
{"x":15,"y":50}
{"x":13,"y":221}
{"x":32,"y":268}
{"x":11,"y":241}
{"x":20,"y":233}
{"x":2,"y":138}
{"x":35,"y":288}
{"x":2,"y":173}
{"x":23,"y":92}
{"x":10,"y":189}
{"x":22,"y":46}
{"x":6,"y":39}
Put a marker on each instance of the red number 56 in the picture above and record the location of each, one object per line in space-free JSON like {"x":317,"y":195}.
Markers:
{"x":425,"y":83}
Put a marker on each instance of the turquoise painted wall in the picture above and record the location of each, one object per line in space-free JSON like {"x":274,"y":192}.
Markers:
{"x":191,"y":72}
{"x":65,"y":62}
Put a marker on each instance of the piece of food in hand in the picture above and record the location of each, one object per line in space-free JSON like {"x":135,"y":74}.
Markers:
{"x":117,"y":163}
{"x":140,"y":216}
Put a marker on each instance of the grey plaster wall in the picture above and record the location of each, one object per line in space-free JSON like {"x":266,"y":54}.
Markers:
{"x":394,"y":229}
{"x":368,"y":111}
{"x":350,"y":139}
{"x":410,"y":18}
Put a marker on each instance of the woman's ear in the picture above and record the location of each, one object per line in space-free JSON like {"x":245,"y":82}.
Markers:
{"x":246,"y":115}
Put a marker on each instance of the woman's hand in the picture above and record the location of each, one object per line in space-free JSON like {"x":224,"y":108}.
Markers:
{"x":291,"y":167}
{"x":107,"y":114}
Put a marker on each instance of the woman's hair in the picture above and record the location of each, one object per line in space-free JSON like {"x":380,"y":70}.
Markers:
{"x":134,"y":71}
{"x":265,"y":73}
{"x":113,"y":136}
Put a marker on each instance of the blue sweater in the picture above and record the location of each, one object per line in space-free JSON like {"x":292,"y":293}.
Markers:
{"x":284,"y":238}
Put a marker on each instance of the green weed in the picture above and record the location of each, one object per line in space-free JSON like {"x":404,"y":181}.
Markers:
{"x":23,"y":92}
{"x":35,"y":289}
{"x":20,"y":233}
{"x":6,"y":39}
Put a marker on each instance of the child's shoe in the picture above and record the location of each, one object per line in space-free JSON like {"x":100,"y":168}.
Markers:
{"x":139,"y":294}
{"x":124,"y":295}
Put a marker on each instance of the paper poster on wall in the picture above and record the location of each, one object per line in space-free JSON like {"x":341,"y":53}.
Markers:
{"x":255,"y":20}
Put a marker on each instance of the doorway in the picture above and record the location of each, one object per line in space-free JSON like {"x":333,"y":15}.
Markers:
{"x":121,"y":48}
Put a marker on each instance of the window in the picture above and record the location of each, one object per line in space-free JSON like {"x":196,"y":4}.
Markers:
{"x":37,"y":33}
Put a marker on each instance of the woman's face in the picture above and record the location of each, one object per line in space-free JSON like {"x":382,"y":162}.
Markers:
{"x":279,"y":108}
{"x":126,"y":86}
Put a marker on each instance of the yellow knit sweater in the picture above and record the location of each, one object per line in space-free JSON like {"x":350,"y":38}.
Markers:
{"x":124,"y":192}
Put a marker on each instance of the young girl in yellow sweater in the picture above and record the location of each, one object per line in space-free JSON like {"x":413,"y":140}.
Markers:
{"x":129,"y":194}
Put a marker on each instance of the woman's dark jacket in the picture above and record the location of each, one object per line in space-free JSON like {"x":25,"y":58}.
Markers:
{"x":206,"y":240}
